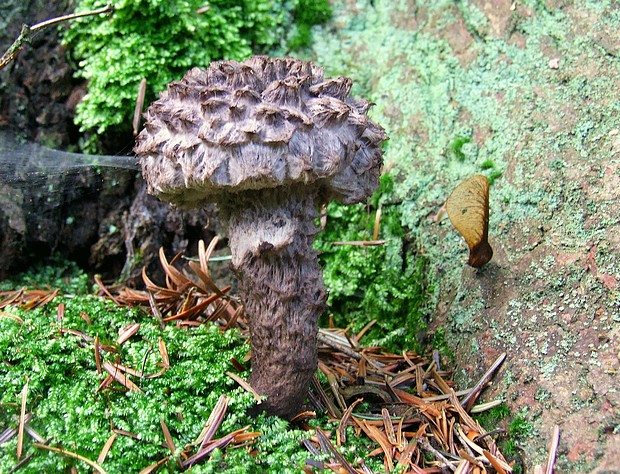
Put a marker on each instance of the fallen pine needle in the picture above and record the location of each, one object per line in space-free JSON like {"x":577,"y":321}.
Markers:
{"x":328,"y":448}
{"x":70,"y":454}
{"x":245,"y":385}
{"x":126,"y":332}
{"x":213,"y":422}
{"x":106,"y":448}
{"x":379,"y":437}
{"x":220,"y":443}
{"x":424,"y":443}
{"x":5,"y":314}
{"x":482,"y":407}
{"x":555,"y":440}
{"x":164,"y":353}
{"x":98,"y":356}
{"x":153,"y":467}
{"x":139,"y":105}
{"x":494,"y":462}
{"x":341,"y":434}
{"x":375,"y":231}
{"x":463,"y":467}
{"x":469,"y":400}
{"x":119,"y":377}
{"x":22,"y":422}
{"x":167,"y":436}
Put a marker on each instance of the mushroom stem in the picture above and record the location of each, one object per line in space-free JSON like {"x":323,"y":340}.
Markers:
{"x":281,"y":284}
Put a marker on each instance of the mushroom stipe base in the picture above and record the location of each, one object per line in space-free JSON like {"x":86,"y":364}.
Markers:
{"x":281,"y":284}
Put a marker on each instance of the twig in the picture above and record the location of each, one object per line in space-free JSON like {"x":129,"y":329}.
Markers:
{"x":324,"y":337}
{"x":26,"y":33}
{"x":426,"y":445}
{"x":469,"y":400}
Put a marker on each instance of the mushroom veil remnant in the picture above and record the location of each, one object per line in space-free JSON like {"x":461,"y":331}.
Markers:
{"x":270,"y":140}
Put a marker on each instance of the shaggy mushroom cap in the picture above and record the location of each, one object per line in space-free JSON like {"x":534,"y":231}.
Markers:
{"x":259,"y":124}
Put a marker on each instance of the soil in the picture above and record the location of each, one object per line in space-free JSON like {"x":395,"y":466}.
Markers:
{"x":101,"y":219}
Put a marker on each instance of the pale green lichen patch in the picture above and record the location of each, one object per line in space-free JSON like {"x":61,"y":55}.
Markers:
{"x":534,"y":85}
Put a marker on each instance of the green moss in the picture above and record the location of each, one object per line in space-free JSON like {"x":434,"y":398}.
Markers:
{"x":487,"y":165}
{"x":56,"y":273}
{"x":518,"y":432}
{"x":494,"y":175}
{"x":456,"y":148}
{"x":520,"y":427}
{"x":385,"y":283}
{"x":66,"y":407}
{"x":438,"y":341}
{"x":306,"y":14}
{"x":520,"y":114}
{"x":491,"y":419}
{"x":63,"y":379}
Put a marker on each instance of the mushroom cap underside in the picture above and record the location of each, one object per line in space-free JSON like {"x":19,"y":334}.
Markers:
{"x":262,"y":123}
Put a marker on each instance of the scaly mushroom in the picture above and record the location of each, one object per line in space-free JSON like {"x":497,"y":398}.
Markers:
{"x":270,"y":140}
